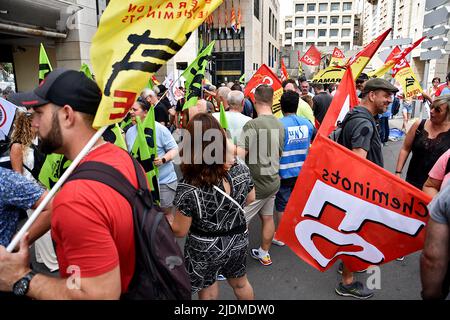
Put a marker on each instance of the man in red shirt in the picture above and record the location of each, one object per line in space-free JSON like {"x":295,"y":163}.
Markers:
{"x":91,"y":223}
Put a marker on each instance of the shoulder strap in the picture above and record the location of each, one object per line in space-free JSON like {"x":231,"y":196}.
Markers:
{"x":104,"y":173}
{"x":229,"y":197}
{"x":421,"y":125}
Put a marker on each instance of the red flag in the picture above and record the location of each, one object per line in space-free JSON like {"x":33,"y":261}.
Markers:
{"x":338,"y":53}
{"x":311,"y":57}
{"x":344,"y":99}
{"x":346,"y":207}
{"x":284,"y":73}
{"x":359,"y":61}
{"x":265,"y":76}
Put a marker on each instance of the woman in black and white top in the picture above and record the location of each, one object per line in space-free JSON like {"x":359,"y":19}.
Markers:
{"x":209,"y":202}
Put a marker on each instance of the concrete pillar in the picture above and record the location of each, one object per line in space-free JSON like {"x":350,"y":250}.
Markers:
{"x":75,"y":49}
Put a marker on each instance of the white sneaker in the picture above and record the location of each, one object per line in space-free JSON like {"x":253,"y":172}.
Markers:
{"x":278,"y":242}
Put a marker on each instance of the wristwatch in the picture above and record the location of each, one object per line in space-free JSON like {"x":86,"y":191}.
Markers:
{"x":20,"y":288}
{"x":163,"y":160}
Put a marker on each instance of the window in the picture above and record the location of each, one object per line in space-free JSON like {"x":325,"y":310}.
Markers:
{"x":298,"y":33}
{"x":346,"y":19}
{"x":345,"y":32}
{"x":345,"y":45}
{"x":310,"y":33}
{"x":335,"y":6}
{"x":347,"y":6}
{"x":334,"y":19}
{"x":322,"y":20}
{"x":256,"y":9}
{"x":288,"y":24}
{"x":309,"y":44}
{"x":322,"y":33}
{"x":321,"y":44}
{"x":299,"y":21}
{"x":311,"y":7}
{"x":334,"y":32}
{"x":334,"y":44}
{"x":323,"y":7}
{"x":310,"y":20}
{"x":288,"y":36}
{"x":299,"y":7}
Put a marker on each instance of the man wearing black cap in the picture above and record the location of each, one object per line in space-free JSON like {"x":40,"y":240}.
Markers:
{"x":360,"y":135}
{"x":91,"y":224}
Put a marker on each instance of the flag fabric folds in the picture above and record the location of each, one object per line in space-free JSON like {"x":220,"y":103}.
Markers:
{"x":311,"y":57}
{"x":265,"y":76}
{"x":358,"y":62}
{"x":344,"y":207}
{"x":145,"y":150}
{"x":194,"y":75}
{"x":337,"y":58}
{"x":389,"y":63}
{"x":238,"y":22}
{"x":284,"y":73}
{"x":132,"y":42}
{"x":44,"y":63}
{"x":85,"y":69}
{"x":233,"y":24}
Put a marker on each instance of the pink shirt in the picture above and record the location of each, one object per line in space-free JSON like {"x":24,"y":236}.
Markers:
{"x":438,"y":170}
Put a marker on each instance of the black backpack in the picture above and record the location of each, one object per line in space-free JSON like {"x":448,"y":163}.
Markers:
{"x":160,"y":272}
{"x":39,"y":159}
{"x":336,"y":134}
{"x":395,"y":106}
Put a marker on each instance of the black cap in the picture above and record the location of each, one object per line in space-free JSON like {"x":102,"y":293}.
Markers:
{"x":379,"y":84}
{"x":63,"y":87}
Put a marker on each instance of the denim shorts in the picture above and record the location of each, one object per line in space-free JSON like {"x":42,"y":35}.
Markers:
{"x":282,"y":198}
{"x":408,"y":107}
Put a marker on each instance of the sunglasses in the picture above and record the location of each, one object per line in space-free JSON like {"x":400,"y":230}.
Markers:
{"x":436,"y":109}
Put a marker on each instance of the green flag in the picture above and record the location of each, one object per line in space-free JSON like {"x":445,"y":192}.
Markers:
{"x":150,"y":83}
{"x":114,"y":134}
{"x":145,"y":150}
{"x":44,"y":64}
{"x":194,"y":75}
{"x":242,"y":79}
{"x":223,"y":117}
{"x":126,"y":122}
{"x":52,"y":169}
{"x":85,"y":69}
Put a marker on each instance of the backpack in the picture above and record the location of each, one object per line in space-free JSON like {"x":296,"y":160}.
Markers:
{"x":39,"y":159}
{"x":395,"y":108}
{"x":160,"y":272}
{"x":336,"y":134}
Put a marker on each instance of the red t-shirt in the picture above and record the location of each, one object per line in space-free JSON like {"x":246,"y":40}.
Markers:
{"x":92,"y":224}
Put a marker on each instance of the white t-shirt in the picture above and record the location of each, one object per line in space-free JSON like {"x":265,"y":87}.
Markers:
{"x":236,"y":122}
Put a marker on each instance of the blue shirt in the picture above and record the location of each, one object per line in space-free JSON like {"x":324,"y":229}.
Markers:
{"x":16,"y":192}
{"x":164,"y":143}
{"x":298,"y":132}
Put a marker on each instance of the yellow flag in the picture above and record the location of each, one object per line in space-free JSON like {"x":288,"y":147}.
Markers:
{"x":403,"y":73}
{"x":134,"y":39}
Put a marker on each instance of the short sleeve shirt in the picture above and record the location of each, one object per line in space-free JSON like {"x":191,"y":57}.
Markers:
{"x":210,"y":210}
{"x":440,"y":206}
{"x":360,"y":132}
{"x":438,"y":170}
{"x":16,"y":192}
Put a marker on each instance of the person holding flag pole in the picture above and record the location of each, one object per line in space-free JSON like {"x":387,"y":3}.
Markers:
{"x":69,"y":104}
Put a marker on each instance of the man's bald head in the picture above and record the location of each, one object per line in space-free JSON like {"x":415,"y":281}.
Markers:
{"x":236,"y":100}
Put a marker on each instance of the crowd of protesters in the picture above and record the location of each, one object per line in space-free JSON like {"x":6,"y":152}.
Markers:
{"x":210,"y":202}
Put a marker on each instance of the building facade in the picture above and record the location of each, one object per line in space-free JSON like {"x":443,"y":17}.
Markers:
{"x":324,"y":23}
{"x":406,"y":18}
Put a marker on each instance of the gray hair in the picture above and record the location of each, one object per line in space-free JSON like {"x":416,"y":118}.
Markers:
{"x":147,"y":93}
{"x":222,"y":92}
{"x":235,"y":99}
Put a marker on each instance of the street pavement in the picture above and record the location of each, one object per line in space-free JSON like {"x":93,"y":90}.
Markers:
{"x":290,"y":278}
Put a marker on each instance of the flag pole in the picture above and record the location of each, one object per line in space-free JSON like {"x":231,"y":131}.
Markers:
{"x":55,"y":188}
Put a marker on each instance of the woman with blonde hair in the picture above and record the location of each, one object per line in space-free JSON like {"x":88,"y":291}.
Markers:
{"x":24,"y":156}
{"x":427,"y":140}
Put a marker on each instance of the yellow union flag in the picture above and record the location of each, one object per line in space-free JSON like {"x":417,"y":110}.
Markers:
{"x":134,"y":39}
{"x":403,"y":73}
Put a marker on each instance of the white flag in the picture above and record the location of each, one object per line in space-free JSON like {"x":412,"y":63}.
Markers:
{"x":7,"y":112}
